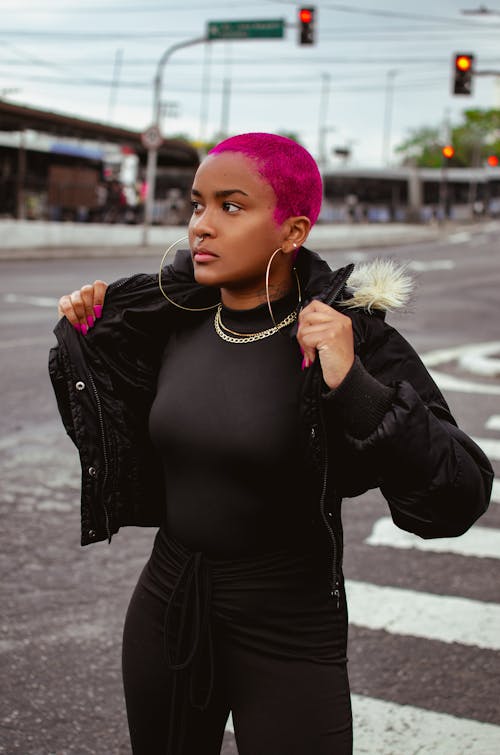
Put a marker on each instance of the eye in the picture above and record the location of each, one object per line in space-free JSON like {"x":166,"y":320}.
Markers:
{"x":195,"y":205}
{"x":230,"y":208}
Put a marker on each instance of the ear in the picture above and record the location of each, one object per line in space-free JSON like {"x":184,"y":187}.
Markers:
{"x":295,"y":232}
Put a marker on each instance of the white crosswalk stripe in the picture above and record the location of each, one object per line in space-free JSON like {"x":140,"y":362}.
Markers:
{"x":383,"y":728}
{"x":418,"y":614}
{"x":490,"y":446}
{"x":481,"y":542}
{"x":493,"y":423}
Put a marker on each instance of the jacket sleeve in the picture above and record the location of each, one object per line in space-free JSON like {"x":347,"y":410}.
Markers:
{"x":397,"y":433}
{"x":57,"y":374}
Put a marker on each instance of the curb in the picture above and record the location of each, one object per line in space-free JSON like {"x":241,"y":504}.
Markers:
{"x":322,"y":238}
{"x":316,"y":242}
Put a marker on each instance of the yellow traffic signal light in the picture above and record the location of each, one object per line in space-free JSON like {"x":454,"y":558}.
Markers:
{"x":463,"y":70}
{"x":306,"y":26}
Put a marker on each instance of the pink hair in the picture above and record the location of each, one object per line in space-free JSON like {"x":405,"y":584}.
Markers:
{"x":289,"y":169}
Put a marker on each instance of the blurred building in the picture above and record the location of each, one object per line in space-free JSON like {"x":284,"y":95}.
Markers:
{"x":57,"y":167}
{"x":382,"y":195}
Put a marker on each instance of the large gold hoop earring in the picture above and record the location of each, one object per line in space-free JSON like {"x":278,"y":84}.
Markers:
{"x":268,"y":298}
{"x":180,"y":306}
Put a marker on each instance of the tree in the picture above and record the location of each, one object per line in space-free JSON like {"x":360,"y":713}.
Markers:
{"x":422,"y":147}
{"x":474,"y":138}
{"x":477,"y":137}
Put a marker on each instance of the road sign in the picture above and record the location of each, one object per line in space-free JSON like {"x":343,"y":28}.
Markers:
{"x":267,"y":28}
{"x":152,"y":138}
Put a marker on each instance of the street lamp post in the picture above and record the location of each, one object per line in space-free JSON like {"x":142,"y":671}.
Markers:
{"x":153,"y":151}
{"x":482,"y":10}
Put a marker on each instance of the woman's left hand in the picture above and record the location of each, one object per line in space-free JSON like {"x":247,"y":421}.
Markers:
{"x":328,"y":333}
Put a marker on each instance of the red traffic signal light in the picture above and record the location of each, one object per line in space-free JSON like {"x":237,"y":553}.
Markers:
{"x":463,"y":70}
{"x":448,"y":151}
{"x":492,"y":161}
{"x":306,"y":26}
{"x":463,"y":62}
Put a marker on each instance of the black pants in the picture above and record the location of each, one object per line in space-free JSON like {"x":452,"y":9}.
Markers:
{"x":280,"y":705}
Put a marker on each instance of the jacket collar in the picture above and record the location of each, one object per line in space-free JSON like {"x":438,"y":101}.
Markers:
{"x":317,"y":279}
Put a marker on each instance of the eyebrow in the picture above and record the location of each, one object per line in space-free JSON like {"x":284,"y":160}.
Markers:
{"x":221,"y":192}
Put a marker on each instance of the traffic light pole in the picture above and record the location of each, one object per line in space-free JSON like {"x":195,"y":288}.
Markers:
{"x":153,"y":152}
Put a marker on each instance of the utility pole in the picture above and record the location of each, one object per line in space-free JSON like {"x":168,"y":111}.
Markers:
{"x":115,"y":84}
{"x":389,"y":94}
{"x":322,"y":121}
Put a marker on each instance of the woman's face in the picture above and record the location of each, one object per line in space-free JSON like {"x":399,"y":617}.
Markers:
{"x":232,"y":232}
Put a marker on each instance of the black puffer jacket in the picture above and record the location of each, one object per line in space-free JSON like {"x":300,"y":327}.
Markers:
{"x":386,"y":426}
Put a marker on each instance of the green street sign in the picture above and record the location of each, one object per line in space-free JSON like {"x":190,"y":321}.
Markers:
{"x":269,"y":28}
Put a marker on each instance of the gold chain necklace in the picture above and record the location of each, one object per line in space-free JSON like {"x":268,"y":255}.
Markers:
{"x":249,"y":337}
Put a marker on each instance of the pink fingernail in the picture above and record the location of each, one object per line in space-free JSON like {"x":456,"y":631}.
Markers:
{"x":98,"y":310}
{"x":77,"y":327}
{"x":305,"y":363}
{"x":90,"y":320}
{"x":85,"y":329}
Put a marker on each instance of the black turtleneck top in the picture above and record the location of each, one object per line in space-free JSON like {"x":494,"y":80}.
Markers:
{"x":225,"y":421}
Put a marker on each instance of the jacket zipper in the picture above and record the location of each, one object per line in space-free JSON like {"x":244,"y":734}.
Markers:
{"x":104,"y":452}
{"x":334,"y":585}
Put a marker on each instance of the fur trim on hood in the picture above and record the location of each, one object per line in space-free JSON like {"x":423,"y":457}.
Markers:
{"x":381,"y":284}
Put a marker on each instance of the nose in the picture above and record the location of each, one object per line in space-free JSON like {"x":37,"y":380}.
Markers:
{"x":202,"y":225}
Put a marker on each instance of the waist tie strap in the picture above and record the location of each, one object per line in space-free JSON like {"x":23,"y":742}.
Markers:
{"x":188,"y":647}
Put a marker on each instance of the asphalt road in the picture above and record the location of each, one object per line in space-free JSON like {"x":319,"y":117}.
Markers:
{"x":427,"y":686}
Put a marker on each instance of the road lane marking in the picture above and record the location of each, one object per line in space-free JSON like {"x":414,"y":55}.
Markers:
{"x":35,"y":301}
{"x":433,"y":617}
{"x":476,"y":358}
{"x":451,"y":383}
{"x":422,"y":267}
{"x":23,"y":342}
{"x":481,"y":361}
{"x":493,"y":423}
{"x":381,"y":727}
{"x":495,"y":493}
{"x":480,"y":542}
{"x":440,"y":356}
{"x":490,"y":446}
{"x":459,"y":238}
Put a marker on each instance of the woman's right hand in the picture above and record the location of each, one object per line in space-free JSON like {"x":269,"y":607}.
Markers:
{"x":84,"y":306}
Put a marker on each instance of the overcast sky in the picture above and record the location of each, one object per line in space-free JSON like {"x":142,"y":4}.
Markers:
{"x":97,"y":59}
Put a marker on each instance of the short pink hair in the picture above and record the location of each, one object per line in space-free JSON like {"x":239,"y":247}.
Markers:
{"x":289,"y":169}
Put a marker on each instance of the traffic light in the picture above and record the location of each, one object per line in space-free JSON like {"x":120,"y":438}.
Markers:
{"x":448,"y":151}
{"x":463,"y":70}
{"x":306,"y":26}
{"x":492,"y":161}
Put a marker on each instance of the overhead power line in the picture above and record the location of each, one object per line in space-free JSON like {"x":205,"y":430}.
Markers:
{"x":385,"y":13}
{"x":241,"y":89}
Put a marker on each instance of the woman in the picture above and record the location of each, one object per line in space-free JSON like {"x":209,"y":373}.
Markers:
{"x":234,"y":405}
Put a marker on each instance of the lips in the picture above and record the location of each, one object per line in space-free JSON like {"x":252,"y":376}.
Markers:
{"x":201,"y":254}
